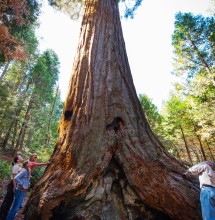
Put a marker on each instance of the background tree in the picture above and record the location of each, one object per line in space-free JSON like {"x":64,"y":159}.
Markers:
{"x":16,"y":18}
{"x":151,"y":112}
{"x":44,"y":75}
{"x":194,"y":41}
{"x":30,"y":103}
{"x":107,"y":163}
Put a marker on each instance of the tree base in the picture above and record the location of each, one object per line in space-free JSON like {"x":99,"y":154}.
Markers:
{"x":109,"y":197}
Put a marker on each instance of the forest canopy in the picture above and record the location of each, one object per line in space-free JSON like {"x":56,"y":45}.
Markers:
{"x":75,"y":8}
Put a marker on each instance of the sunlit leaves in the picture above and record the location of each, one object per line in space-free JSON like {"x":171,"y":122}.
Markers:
{"x":45,"y":74}
{"x":151,"y":112}
{"x":191,"y":106}
{"x":74,"y":7}
{"x":30,"y":88}
{"x":193,"y":42}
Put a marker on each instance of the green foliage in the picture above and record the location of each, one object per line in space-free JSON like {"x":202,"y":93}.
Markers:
{"x":193,"y":41}
{"x":75,"y":7}
{"x":176,"y":117}
{"x":4,"y":91}
{"x":28,"y":40}
{"x":36,"y":175}
{"x":188,"y":116}
{"x":27,"y":113}
{"x":39,"y":125}
{"x":5,"y":170}
{"x":151,"y":113}
{"x":30,"y":104}
{"x":72,"y":8}
{"x":44,"y":74}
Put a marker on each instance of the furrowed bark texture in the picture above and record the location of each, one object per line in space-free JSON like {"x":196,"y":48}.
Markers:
{"x":107,"y":163}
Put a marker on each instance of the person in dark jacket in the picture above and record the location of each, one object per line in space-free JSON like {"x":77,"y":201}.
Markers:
{"x":22,"y":184}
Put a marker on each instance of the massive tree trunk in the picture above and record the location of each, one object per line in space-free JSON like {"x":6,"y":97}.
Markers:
{"x":107,"y":164}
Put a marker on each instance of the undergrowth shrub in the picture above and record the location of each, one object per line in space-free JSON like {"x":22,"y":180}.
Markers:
{"x":5,"y":170}
{"x":36,"y":175}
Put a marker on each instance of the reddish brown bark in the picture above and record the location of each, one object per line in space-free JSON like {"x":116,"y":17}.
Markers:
{"x":107,"y":164}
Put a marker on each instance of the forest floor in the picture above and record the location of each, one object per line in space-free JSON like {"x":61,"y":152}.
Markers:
{"x":6,"y":156}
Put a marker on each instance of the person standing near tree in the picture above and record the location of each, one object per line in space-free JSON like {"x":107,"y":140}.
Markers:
{"x":33,"y":163}
{"x":205,"y":172}
{"x":8,"y":199}
{"x":22,"y":184}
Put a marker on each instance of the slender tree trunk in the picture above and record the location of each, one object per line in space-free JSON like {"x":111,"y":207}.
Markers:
{"x":4,"y":71}
{"x":23,"y":136}
{"x":4,"y":144}
{"x":204,"y":63}
{"x":196,"y":151}
{"x":200,"y":143}
{"x":4,"y":114}
{"x":24,"y":126}
{"x":201,"y":147}
{"x":176,"y":150}
{"x":48,"y":133}
{"x":209,"y":149}
{"x":196,"y":154}
{"x":30,"y":136}
{"x":107,"y":164}
{"x":14,"y":134}
{"x":186,"y":145}
{"x":13,"y":124}
{"x":22,"y":97}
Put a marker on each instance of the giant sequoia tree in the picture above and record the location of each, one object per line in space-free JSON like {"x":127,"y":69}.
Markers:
{"x":107,"y":163}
